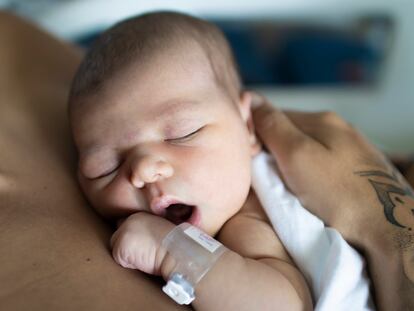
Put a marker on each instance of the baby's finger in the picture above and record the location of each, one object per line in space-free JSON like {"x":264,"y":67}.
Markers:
{"x":123,"y":257}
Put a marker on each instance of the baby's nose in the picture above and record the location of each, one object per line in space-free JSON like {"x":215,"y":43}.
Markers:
{"x":149,"y":169}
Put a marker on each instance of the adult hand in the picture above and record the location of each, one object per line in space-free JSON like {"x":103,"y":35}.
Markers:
{"x":334,"y":171}
{"x":352,"y":187}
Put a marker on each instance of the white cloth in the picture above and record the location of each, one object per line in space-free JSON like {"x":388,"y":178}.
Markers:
{"x":333,"y":269}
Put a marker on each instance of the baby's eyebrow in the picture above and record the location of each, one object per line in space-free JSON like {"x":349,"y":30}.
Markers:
{"x":90,"y":150}
{"x":174,"y":106}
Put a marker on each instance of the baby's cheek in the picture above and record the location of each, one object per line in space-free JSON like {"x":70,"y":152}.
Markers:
{"x":118,"y":200}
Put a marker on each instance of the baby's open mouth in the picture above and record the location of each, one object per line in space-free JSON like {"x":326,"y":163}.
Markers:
{"x":179,"y":213}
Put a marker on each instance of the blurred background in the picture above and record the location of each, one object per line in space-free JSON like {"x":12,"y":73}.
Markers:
{"x":354,"y":57}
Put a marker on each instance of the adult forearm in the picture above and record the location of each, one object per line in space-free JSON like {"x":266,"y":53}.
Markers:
{"x":391,"y":270}
{"x":388,"y":242}
{"x":390,"y":266}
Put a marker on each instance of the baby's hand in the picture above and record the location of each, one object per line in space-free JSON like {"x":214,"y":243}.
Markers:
{"x":136,"y":243}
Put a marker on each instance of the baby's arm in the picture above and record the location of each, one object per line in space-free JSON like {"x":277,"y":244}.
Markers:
{"x":256,"y":274}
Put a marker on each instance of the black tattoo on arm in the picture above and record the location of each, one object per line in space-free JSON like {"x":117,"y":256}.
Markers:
{"x":385,"y":190}
{"x":393,"y":191}
{"x":377,"y":173}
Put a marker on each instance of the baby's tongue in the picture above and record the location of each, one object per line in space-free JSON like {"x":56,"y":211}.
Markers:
{"x":178,"y":213}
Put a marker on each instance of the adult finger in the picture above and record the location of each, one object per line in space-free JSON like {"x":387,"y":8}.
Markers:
{"x":278,"y":133}
{"x":326,"y":127}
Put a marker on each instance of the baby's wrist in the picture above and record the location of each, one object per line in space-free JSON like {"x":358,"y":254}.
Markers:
{"x":189,"y":253}
{"x":167,"y":265}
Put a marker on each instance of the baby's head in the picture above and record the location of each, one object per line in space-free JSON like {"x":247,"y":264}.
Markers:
{"x":161,"y":123}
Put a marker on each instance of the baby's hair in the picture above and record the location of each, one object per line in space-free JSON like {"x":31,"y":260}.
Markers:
{"x":139,"y":37}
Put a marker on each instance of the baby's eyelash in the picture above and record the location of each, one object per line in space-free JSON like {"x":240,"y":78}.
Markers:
{"x":109,"y":172}
{"x":183,"y":138}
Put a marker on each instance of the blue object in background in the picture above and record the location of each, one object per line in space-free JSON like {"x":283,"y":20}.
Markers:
{"x":298,"y":57}
{"x":317,"y":58}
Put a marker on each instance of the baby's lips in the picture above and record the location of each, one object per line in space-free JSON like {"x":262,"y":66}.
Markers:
{"x":159,"y":205}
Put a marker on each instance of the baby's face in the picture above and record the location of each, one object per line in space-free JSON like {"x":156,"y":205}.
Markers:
{"x":165,"y":140}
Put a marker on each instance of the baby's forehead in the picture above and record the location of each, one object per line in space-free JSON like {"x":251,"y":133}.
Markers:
{"x":187,"y":55}
{"x":167,"y":80}
{"x":141,"y":38}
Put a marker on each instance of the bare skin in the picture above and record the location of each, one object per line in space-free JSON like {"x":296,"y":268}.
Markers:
{"x":256,"y":272}
{"x":44,"y":256}
{"x":259,"y":261}
{"x":358,"y":192}
{"x":54,"y":251}
{"x":210,"y":169}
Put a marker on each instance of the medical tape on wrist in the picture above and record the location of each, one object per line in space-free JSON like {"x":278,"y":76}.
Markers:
{"x":194,"y":253}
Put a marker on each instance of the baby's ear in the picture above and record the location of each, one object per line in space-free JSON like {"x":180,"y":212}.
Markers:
{"x":246,"y":114}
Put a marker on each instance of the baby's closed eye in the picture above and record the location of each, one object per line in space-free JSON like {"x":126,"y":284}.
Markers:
{"x":99,"y":166}
{"x":107,"y":172}
{"x":185,"y":137}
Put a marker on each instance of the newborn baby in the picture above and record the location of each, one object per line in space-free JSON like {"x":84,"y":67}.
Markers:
{"x":164,"y":135}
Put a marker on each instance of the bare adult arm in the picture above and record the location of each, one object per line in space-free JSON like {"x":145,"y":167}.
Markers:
{"x":349,"y":184}
{"x":54,"y":252}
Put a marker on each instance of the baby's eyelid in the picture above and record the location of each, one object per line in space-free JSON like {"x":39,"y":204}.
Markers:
{"x":185,"y":137}
{"x":107,"y":172}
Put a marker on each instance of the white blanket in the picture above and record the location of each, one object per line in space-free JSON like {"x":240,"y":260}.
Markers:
{"x":333,"y":269}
